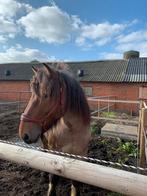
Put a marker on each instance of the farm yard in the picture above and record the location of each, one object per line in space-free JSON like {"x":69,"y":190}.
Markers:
{"x":20,"y":180}
{"x":117,"y":127}
{"x":73,"y":98}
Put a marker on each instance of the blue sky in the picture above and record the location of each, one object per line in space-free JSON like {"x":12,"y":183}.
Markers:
{"x":71,"y":30}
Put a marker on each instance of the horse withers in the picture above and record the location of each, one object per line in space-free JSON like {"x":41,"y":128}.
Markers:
{"x":58,"y":113}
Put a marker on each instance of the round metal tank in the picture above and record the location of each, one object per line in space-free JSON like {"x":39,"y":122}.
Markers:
{"x":131,"y":54}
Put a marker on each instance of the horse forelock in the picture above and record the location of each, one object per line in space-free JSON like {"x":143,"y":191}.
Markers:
{"x":46,"y":82}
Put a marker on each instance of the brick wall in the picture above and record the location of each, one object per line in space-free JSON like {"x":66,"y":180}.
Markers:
{"x":123,"y":91}
{"x":9,"y":90}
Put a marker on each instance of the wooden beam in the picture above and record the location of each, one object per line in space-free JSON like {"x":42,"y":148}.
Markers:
{"x":108,"y":178}
{"x":113,"y":100}
{"x":115,"y":119}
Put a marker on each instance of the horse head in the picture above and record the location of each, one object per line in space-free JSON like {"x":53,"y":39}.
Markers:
{"x":44,"y":105}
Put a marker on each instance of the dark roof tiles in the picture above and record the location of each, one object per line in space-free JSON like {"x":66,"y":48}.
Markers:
{"x":136,"y":70}
{"x":132,"y":70}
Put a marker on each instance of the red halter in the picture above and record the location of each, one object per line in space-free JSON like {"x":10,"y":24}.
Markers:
{"x":42,"y":122}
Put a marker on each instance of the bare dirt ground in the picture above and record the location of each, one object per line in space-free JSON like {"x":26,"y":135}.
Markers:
{"x":18,"y":180}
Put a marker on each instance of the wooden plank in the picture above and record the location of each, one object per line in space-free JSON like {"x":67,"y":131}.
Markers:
{"x":120,"y":135}
{"x":113,"y":100}
{"x":117,"y":130}
{"x":115,"y":120}
{"x":108,"y":178}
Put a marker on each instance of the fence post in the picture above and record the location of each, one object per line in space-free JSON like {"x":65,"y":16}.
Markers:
{"x":98,"y":108}
{"x":108,"y":105}
{"x":142,"y":138}
{"x":139,"y":121}
{"x":19,"y":102}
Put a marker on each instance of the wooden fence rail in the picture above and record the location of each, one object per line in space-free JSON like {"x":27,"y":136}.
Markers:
{"x":108,"y":178}
{"x":113,"y":100}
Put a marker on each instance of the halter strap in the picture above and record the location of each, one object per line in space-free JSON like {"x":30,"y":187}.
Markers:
{"x":26,"y":118}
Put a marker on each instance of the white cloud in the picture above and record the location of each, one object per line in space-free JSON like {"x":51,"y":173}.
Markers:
{"x":3,"y":39}
{"x":76,"y":22}
{"x":103,"y":41}
{"x":19,"y":54}
{"x":51,"y":24}
{"x":139,"y":46}
{"x":136,"y":36}
{"x":7,"y":26}
{"x":136,"y":40}
{"x":8,"y":29}
{"x":143,"y":49}
{"x":48,"y":24}
{"x":109,"y":55}
{"x":133,"y":22}
{"x":100,"y":33}
{"x":95,"y":31}
{"x":9,"y":8}
{"x":8,"y":11}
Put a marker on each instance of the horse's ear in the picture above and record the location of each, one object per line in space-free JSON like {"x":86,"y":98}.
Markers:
{"x":49,"y":69}
{"x":34,"y":69}
{"x":62,"y":66}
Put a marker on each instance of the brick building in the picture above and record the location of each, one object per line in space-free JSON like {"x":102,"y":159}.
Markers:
{"x":119,"y":78}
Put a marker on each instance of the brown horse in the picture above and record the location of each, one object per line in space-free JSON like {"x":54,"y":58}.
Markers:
{"x":58,"y":113}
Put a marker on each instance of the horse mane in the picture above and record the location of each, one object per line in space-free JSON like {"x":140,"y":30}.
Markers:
{"x":75,"y":98}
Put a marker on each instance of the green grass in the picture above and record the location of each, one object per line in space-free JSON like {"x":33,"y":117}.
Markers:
{"x":109,"y":114}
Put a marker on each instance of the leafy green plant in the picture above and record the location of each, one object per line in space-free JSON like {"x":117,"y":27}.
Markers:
{"x":129,"y":148}
{"x":95,"y":128}
{"x":109,"y":114}
{"x":104,"y":142}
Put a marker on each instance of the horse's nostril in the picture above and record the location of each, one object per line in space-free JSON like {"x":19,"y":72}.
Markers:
{"x":26,"y":138}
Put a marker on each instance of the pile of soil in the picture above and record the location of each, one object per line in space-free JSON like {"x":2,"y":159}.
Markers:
{"x":18,"y":180}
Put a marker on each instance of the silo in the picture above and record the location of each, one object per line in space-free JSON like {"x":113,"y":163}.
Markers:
{"x":131,"y":54}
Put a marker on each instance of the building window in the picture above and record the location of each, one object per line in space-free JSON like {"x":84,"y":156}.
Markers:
{"x":87,"y":91}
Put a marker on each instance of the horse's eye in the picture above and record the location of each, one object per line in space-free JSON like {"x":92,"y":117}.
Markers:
{"x":45,"y":96}
{"x":51,"y":93}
